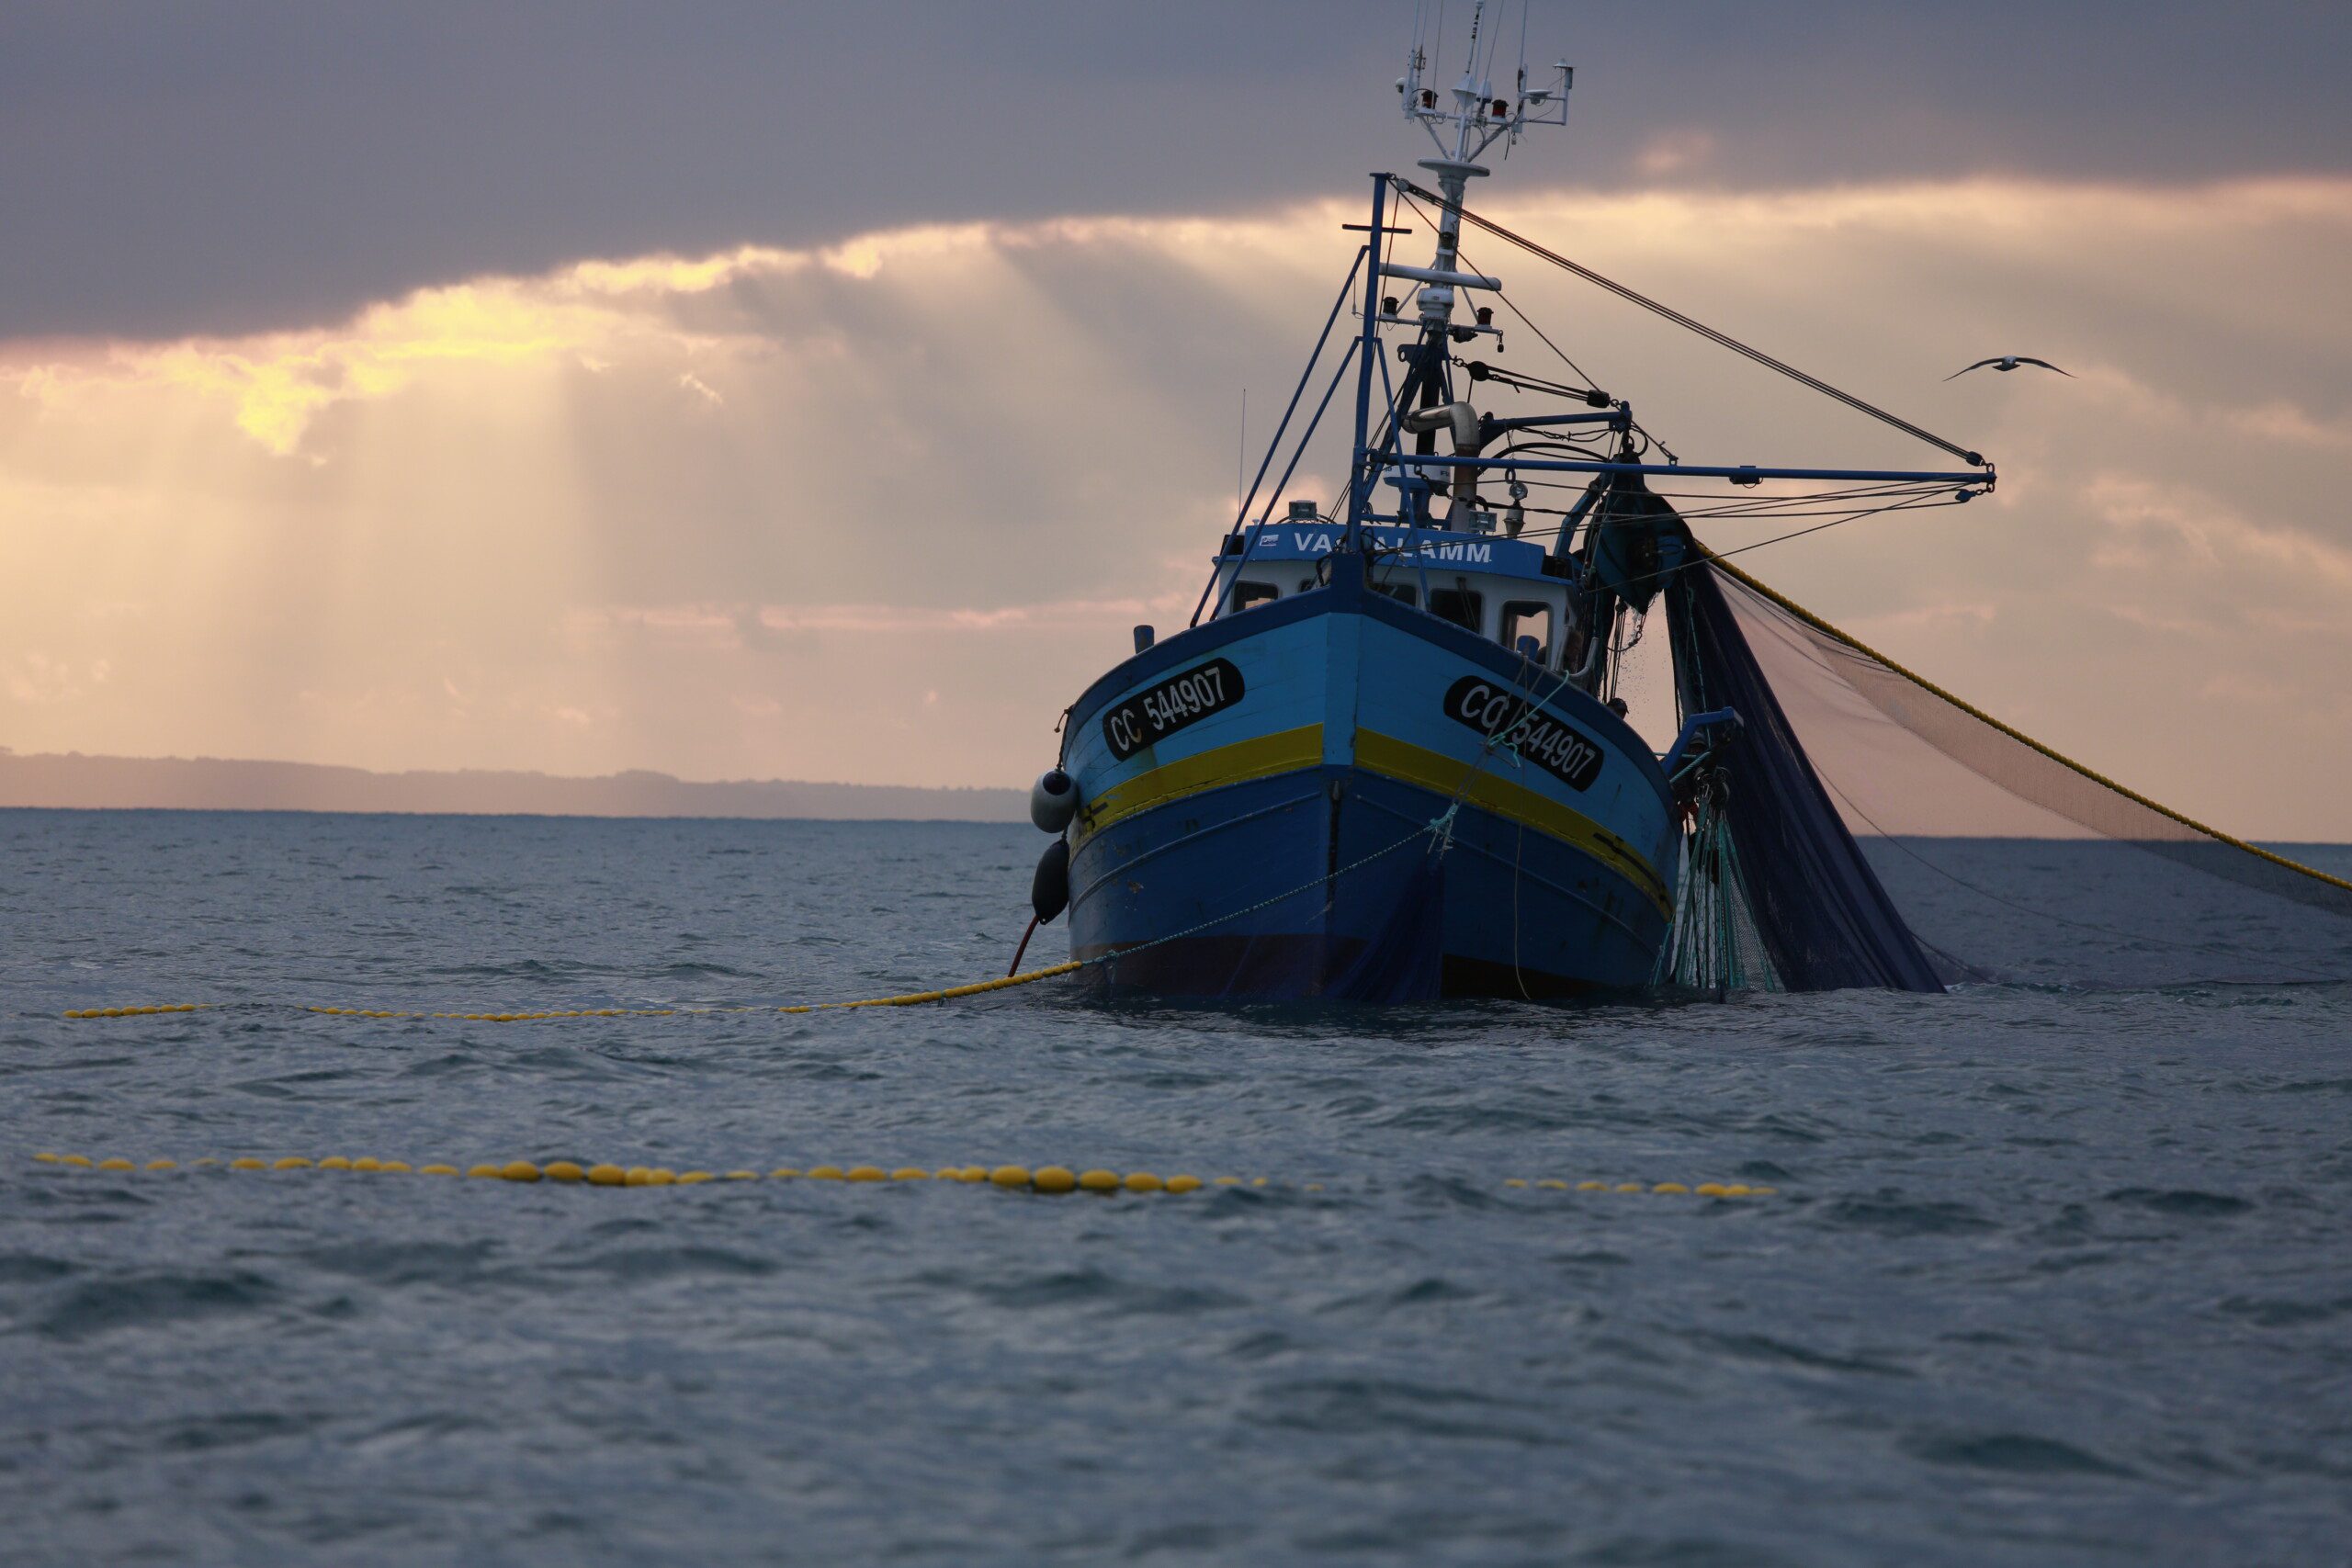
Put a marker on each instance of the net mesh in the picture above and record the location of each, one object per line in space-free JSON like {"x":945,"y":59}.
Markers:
{"x":2001,"y":859}
{"x":1714,"y":944}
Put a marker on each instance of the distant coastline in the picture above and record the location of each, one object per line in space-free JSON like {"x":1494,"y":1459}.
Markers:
{"x":72,"y":781}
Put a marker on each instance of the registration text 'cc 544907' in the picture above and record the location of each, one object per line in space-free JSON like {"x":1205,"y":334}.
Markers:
{"x":1494,"y":711}
{"x":1159,"y":711}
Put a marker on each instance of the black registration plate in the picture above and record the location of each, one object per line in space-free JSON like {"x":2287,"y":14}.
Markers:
{"x":1159,"y":711}
{"x":1493,"y":709}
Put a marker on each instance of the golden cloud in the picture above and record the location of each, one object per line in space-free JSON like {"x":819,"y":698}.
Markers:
{"x":718,"y":514}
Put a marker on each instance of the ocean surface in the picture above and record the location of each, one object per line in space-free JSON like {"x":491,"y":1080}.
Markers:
{"x":2047,"y":1275}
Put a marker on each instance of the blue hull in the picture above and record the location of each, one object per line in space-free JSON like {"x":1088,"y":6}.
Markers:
{"x":1257,"y":795}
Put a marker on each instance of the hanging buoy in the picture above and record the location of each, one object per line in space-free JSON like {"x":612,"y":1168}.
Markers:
{"x":1053,"y":800}
{"x":1050,"y":889}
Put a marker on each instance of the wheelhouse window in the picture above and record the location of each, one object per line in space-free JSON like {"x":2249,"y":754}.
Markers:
{"x":1404,"y":592}
{"x":1526,"y":621}
{"x":1465,"y":607}
{"x":1248,"y":596}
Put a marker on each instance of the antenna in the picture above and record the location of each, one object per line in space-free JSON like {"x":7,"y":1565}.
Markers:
{"x":1475,"y":118}
{"x":1464,"y":121}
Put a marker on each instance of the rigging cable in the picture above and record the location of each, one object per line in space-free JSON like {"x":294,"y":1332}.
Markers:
{"x":1800,"y":533}
{"x":1462,"y":257}
{"x":1669,"y":313}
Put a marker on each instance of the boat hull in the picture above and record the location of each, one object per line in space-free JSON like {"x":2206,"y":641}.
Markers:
{"x":1302,"y":800}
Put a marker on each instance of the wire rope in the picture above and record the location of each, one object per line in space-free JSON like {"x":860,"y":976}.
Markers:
{"x":1669,"y":313}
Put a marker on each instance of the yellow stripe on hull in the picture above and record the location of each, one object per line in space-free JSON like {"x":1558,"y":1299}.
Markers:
{"x":1434,"y":771}
{"x":1260,"y":757}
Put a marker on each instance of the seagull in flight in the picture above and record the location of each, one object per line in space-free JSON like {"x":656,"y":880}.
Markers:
{"x":2009,"y":362}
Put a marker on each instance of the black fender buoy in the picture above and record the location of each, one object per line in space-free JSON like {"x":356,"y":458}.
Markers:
{"x":1050,"y":889}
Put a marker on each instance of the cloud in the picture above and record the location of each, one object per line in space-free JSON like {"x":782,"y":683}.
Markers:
{"x":741,"y":513}
{"x":36,"y":678}
{"x":1971,"y":617}
{"x":2279,"y":420}
{"x":1675,"y":153}
{"x":277,"y":162}
{"x":2206,"y":534}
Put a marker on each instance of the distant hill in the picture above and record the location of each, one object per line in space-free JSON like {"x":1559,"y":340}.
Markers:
{"x":214,"y":784}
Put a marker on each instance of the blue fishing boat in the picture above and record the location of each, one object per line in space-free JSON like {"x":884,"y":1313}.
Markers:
{"x":1387,"y":760}
{"x":1295,"y":751}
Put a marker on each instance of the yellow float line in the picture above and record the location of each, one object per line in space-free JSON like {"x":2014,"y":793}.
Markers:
{"x":1051,"y":1179}
{"x":138,"y":1012}
{"x":910,"y":999}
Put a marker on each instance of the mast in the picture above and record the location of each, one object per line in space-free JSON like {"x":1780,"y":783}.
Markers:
{"x":1464,"y":121}
{"x":1464,"y":129}
{"x":1366,"y":471}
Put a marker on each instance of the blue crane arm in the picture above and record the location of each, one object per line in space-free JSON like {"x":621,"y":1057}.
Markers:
{"x":1743,"y":472}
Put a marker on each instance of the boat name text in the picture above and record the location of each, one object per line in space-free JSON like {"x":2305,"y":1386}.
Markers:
{"x":1319,"y":542}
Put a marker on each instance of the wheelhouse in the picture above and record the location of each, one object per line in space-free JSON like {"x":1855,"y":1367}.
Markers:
{"x":1509,"y":591}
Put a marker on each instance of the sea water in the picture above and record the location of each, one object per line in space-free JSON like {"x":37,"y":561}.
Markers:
{"x":2046,"y":1276}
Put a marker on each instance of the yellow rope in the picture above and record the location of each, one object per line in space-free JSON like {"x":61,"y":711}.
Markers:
{"x":1825,"y":629}
{"x":1046,"y":1179}
{"x":949,"y":995}
{"x":137,"y":1012}
{"x":910,"y":999}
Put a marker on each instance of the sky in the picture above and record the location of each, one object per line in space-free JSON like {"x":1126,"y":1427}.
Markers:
{"x":824,"y":391}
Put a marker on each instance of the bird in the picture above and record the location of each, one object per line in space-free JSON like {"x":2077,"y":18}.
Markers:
{"x":2005,"y":362}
